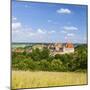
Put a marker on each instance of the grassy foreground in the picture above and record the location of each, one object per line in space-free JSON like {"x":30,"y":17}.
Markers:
{"x":28,"y":79}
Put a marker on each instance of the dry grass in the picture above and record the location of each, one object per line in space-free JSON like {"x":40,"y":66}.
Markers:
{"x":27,"y":79}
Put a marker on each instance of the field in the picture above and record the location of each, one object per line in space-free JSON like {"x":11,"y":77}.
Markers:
{"x":28,"y":79}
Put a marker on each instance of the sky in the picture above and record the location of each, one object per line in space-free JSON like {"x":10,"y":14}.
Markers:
{"x":48,"y":22}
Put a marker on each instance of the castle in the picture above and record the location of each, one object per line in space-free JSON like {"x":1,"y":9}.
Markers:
{"x":59,"y":48}
{"x":55,"y":48}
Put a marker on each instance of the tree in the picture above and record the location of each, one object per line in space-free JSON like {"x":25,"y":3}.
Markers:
{"x":35,"y":55}
{"x":81,"y":52}
{"x":45,"y":53}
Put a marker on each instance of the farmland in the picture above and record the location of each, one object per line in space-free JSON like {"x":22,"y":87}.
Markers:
{"x":28,"y":79}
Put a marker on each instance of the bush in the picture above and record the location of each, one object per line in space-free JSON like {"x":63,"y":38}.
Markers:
{"x":56,"y":65}
{"x":45,"y":65}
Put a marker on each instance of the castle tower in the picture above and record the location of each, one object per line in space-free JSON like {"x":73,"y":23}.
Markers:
{"x":68,"y":48}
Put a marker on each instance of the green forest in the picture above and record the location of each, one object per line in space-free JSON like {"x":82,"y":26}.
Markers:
{"x":41,"y":60}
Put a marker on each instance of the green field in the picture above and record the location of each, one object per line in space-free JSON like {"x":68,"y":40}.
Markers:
{"x":28,"y":79}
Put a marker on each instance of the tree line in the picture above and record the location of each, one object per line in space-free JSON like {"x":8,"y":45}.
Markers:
{"x":41,"y":60}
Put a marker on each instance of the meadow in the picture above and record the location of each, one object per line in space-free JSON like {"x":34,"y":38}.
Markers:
{"x":30,"y":79}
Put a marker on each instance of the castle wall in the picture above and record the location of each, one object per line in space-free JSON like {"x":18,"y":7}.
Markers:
{"x":68,"y":50}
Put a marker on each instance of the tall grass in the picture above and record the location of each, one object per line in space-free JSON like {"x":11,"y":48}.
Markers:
{"x":28,"y":79}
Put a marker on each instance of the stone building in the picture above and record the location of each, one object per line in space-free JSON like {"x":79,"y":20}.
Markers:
{"x":59,"y":48}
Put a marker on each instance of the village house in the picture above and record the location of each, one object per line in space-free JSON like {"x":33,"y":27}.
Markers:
{"x":28,"y":50}
{"x":18,"y":50}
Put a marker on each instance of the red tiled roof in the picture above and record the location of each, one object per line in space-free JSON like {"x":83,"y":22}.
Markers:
{"x":69,"y":45}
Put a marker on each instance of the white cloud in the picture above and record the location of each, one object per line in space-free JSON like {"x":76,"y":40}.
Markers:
{"x":63,"y":31}
{"x":22,"y":33}
{"x":31,"y":34}
{"x":14,"y":18}
{"x":64,"y":11}
{"x":70,"y":34}
{"x":51,"y":31}
{"x":16,"y":26}
{"x":41,"y":31}
{"x":70,"y":28}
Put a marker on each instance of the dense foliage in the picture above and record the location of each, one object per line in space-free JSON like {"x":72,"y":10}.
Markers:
{"x":42,"y":60}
